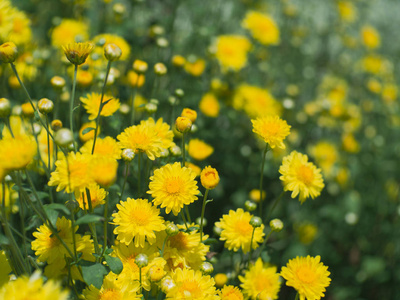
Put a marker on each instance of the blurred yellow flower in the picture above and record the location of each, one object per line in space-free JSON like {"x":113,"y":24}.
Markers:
{"x":349,"y":143}
{"x":21,"y":33}
{"x":97,"y":196}
{"x":300,"y":176}
{"x":135,"y":79}
{"x":137,"y":220}
{"x":209,"y":105}
{"x":370,"y":37}
{"x":307,"y":232}
{"x":374,"y":85}
{"x":196,"y":169}
{"x":308,"y":276}
{"x":106,"y":170}
{"x":255,"y":195}
{"x":199,"y":150}
{"x":325,"y":155}
{"x":69,"y":31}
{"x":347,"y":11}
{"x":231,"y":51}
{"x":84,"y":78}
{"x":262,"y":27}
{"x":172,"y":187}
{"x":106,"y":38}
{"x":389,"y":93}
{"x":88,"y":135}
{"x":91,"y":102}
{"x":272,"y":129}
{"x":260,"y":279}
{"x":237,"y":231}
{"x":16,"y":153}
{"x":195,"y":68}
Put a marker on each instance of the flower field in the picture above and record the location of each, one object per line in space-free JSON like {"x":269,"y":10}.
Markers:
{"x":225,"y":149}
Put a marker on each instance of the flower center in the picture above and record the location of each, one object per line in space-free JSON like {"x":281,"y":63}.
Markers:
{"x":191,"y":290}
{"x":305,"y":174}
{"x":140,"y":216}
{"x":243,"y":228}
{"x":178,"y":241}
{"x":110,"y":294}
{"x":173,"y":185}
{"x":306,"y":275}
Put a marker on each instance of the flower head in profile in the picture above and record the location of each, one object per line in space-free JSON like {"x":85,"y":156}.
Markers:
{"x":8,"y":52}
{"x":230,"y":292}
{"x":199,"y":150}
{"x":172,"y":187}
{"x":260,"y":280}
{"x":137,"y":220}
{"x":78,"y":52}
{"x":262,"y":27}
{"x":231,"y":51}
{"x":300,"y":176}
{"x":272,"y":129}
{"x":308,"y":275}
{"x":191,"y":284}
{"x":91,"y":102}
{"x":209,"y":178}
{"x":16,"y":153}
{"x":237,"y":231}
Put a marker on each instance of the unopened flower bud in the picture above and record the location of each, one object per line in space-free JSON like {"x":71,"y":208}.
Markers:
{"x":179,"y":93}
{"x":5,"y":107}
{"x":64,"y":137}
{"x":198,"y":221}
{"x":167,"y":284}
{"x":276,"y":225}
{"x":27,"y":110}
{"x":206,"y":268}
{"x":57,"y":82}
{"x":162,"y":42}
{"x":160,"y":69}
{"x":217,"y":230}
{"x":178,"y":60}
{"x":119,"y":9}
{"x":255,"y":221}
{"x":150,"y":108}
{"x":156,"y":30}
{"x":8,"y":52}
{"x":72,"y":205}
{"x":140,"y":66}
{"x":189,"y":113}
{"x":56,"y":125}
{"x":172,"y":100}
{"x":16,"y":110}
{"x":250,"y":205}
{"x":209,"y":178}
{"x":183,"y":124}
{"x":194,"y":128}
{"x":176,"y":150}
{"x":220,"y":280}
{"x":112,"y":52}
{"x":171,"y":229}
{"x":156,"y":273}
{"x":141,"y":260}
{"x":45,"y":106}
{"x":128,"y":155}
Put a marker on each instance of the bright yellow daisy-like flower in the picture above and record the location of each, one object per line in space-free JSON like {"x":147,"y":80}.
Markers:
{"x":69,"y":31}
{"x":137,"y":220}
{"x":142,"y":138}
{"x":190,"y":284}
{"x":106,"y":170}
{"x":162,"y":130}
{"x":260,"y":280}
{"x":300,"y":176}
{"x":33,"y":288}
{"x":107,"y":147}
{"x":16,"y":153}
{"x":77,"y":52}
{"x":262,"y":27}
{"x":308,"y":276}
{"x":113,"y":289}
{"x":199,"y":150}
{"x":97,"y":196}
{"x":231,"y":51}
{"x":230,"y":292}
{"x":272,"y":129}
{"x":237,"y":231}
{"x":92,"y":104}
{"x":74,"y":175}
{"x":172,"y":187}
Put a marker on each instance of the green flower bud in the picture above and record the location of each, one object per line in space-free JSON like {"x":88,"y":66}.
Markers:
{"x":112,"y":52}
{"x":206,"y":268}
{"x":250,"y":205}
{"x":276,"y":225}
{"x":141,"y":260}
{"x":255,"y":221}
{"x":64,"y":137}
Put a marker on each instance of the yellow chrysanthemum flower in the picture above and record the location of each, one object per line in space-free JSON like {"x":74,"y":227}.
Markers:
{"x":172,"y":187}
{"x":97,"y":196}
{"x":6,"y":16}
{"x":74,"y":175}
{"x":256,"y":102}
{"x":162,"y":130}
{"x":231,"y":51}
{"x":199,"y":150}
{"x":230,"y":292}
{"x":134,"y":79}
{"x":113,"y":289}
{"x":260,"y":279}
{"x":195,"y":68}
{"x":209,"y":105}
{"x":142,"y":138}
{"x":374,"y":64}
{"x":308,"y":276}
{"x":16,"y":153}
{"x":262,"y":27}
{"x":347,"y":11}
{"x":92,"y":104}
{"x":300,"y":176}
{"x":272,"y":129}
{"x":106,"y":170}
{"x":137,"y":220}
{"x":325,"y":155}
{"x":107,"y":38}
{"x":370,"y":37}
{"x":69,"y":31}
{"x":77,"y":53}
{"x":21,"y":32}
{"x":237,"y":231}
{"x":190,"y":284}
{"x":107,"y":147}
{"x":33,"y":288}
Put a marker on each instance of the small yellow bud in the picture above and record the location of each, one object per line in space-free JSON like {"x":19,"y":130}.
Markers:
{"x":140,"y":66}
{"x":8,"y":52}
{"x":189,"y":113}
{"x":56,"y":125}
{"x":45,"y":106}
{"x":156,"y":30}
{"x":167,"y":284}
{"x":209,"y":178}
{"x":178,"y":60}
{"x":183,"y":124}
{"x":171,"y":229}
{"x":162,"y":42}
{"x":27,"y":110}
{"x":220,"y":280}
{"x":112,"y":52}
{"x":160,"y":69}
{"x":57,"y":82}
{"x":5,"y":107}
{"x":156,"y":273}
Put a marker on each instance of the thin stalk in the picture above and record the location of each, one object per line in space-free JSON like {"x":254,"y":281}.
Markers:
{"x":48,"y":145}
{"x":140,"y":280}
{"x":92,"y":226}
{"x":297,"y":296}
{"x":251,"y":246}
{"x":188,"y":214}
{"x":183,"y":150}
{"x":139,"y":171}
{"x":125,"y":179}
{"x":71,"y":106}
{"x":23,"y":231}
{"x":202,"y":214}
{"x":261,"y":179}
{"x":163,"y":246}
{"x":277,"y":200}
{"x":105,"y":225}
{"x":7,"y":121}
{"x":38,"y":149}
{"x":184,"y":220}
{"x":73,"y":234}
{"x":265,"y":242}
{"x":101,"y":105}
{"x":133,"y":96}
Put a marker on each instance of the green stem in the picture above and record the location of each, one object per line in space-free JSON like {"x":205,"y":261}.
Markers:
{"x":261,"y":179}
{"x":125,"y":179}
{"x":202,"y":214}
{"x":297,"y":296}
{"x":184,"y":220}
{"x":183,"y":150}
{"x":7,"y":121}
{"x":105,"y":225}
{"x":188,"y":214}
{"x":251,"y":245}
{"x":139,"y":172}
{"x":48,"y":145}
{"x":92,"y":226}
{"x":163,"y":246}
{"x":71,"y":106}
{"x":101,"y":105}
{"x":133,"y":104}
{"x":73,"y":232}
{"x":277,"y":200}
{"x":140,"y":280}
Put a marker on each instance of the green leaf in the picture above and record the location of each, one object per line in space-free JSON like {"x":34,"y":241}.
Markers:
{"x":105,"y":102}
{"x":42,"y":195}
{"x":208,"y":201}
{"x":87,"y":130}
{"x":36,"y":114}
{"x":210,"y":241}
{"x":89,"y":219}
{"x":52,"y":214}
{"x":114,"y":263}
{"x":265,"y":257}
{"x":94,"y":274}
{"x":4,"y":240}
{"x":199,"y":194}
{"x":59,"y":207}
{"x":76,"y":107}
